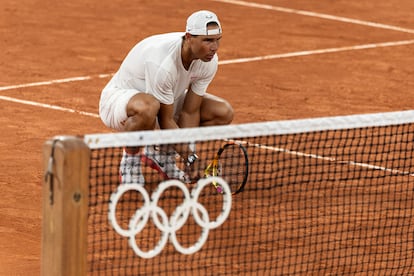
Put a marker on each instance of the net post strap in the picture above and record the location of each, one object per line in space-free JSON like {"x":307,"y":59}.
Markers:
{"x":65,"y":206}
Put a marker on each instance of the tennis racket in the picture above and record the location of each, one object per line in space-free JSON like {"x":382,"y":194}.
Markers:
{"x":232,"y":164}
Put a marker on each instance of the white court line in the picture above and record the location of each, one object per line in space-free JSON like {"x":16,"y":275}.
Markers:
{"x":100,"y":76}
{"x":321,"y":51}
{"x":233,"y":61}
{"x":320,"y":157}
{"x":318,"y":15}
{"x":48,"y":106}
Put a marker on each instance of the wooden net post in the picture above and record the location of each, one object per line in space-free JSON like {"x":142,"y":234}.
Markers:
{"x":65,"y":207}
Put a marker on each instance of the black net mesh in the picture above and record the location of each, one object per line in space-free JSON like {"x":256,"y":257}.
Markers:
{"x":317,"y":203}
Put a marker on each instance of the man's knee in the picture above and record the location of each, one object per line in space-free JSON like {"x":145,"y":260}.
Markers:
{"x":143,"y":105}
{"x":142,"y":111}
{"x":226,"y":113}
{"x":216,"y":112}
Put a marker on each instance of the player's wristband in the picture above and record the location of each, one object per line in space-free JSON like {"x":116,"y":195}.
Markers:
{"x":191,"y":159}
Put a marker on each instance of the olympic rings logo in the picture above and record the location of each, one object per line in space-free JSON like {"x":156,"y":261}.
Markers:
{"x":169,"y":226}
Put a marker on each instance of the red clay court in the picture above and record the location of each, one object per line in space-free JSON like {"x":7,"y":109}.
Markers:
{"x":279,"y":60}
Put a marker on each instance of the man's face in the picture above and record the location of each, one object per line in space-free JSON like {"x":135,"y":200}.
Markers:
{"x":204,"y":47}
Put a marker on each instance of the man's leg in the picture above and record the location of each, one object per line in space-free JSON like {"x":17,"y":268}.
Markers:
{"x":142,"y":111}
{"x":215,"y":111}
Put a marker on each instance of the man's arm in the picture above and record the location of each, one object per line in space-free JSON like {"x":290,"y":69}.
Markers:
{"x":189,"y":117}
{"x":190,"y":113}
{"x":166,"y":117}
{"x":166,"y":121}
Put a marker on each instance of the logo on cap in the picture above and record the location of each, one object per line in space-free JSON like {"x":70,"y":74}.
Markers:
{"x":198,"y":21}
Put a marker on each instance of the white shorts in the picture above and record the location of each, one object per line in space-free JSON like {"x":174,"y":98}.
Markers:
{"x":113,"y":106}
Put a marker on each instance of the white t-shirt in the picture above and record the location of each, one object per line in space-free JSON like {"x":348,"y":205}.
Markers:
{"x":154,"y":66}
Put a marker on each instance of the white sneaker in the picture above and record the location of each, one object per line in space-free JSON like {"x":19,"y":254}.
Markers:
{"x":164,"y":163}
{"x":130,"y":169}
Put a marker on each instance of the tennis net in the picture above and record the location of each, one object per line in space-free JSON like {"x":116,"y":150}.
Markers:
{"x":330,"y":195}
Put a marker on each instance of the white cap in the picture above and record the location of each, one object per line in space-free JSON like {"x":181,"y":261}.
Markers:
{"x":197,"y":23}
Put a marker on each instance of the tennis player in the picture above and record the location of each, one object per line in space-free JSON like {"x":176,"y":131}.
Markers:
{"x":162,"y":83}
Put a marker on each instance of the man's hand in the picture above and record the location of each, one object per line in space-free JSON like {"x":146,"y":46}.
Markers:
{"x":194,"y":167}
